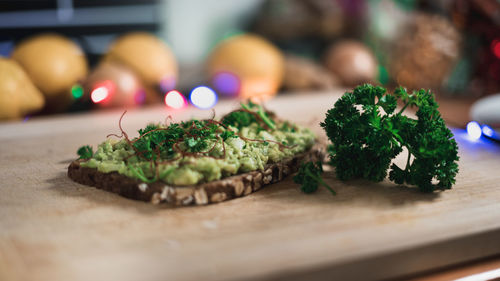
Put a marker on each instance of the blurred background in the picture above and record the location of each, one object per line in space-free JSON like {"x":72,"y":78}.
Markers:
{"x":76,"y":55}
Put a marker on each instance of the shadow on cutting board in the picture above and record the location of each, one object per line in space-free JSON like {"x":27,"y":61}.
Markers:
{"x":359,"y":193}
{"x":63,"y":185}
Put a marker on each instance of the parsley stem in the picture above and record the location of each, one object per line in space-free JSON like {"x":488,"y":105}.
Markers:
{"x":266,"y":119}
{"x":320,"y":180}
{"x":408,"y":160}
{"x":404,"y":107}
{"x":262,"y":115}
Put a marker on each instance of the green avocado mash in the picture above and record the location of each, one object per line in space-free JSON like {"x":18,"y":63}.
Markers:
{"x":194,"y":152}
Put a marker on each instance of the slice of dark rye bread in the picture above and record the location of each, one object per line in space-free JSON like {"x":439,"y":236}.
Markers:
{"x":201,"y":194}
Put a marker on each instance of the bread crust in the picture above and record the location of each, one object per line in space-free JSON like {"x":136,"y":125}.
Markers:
{"x":205,"y":193}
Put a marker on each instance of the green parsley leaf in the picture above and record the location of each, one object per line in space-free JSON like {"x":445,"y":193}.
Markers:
{"x":195,"y":144}
{"x":260,"y":112}
{"x":228,"y":134}
{"x":149,"y":127}
{"x":309,"y":177}
{"x":85,"y":152}
{"x":238,"y":119}
{"x":243,"y":118}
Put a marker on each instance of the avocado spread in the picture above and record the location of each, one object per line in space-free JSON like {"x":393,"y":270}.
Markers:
{"x":199,"y":151}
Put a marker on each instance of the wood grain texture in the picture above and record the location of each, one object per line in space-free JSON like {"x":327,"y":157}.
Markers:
{"x":54,"y":229}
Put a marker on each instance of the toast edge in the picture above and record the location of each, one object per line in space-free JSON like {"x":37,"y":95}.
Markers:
{"x":206,"y":193}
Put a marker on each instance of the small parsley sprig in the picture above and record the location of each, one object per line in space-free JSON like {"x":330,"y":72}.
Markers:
{"x":366,"y":134}
{"x":261,"y":113}
{"x":248,"y":114}
{"x":309,"y":177}
{"x":85,"y":152}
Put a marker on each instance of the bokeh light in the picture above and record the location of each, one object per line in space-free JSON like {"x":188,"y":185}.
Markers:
{"x":102,"y":91}
{"x":174,"y":99}
{"x":203,"y":97}
{"x":488,"y":131}
{"x":77,"y":91}
{"x":226,"y":83}
{"x":474,"y":130}
{"x":495,"y":47}
{"x":140,"y":96}
{"x":99,"y":94}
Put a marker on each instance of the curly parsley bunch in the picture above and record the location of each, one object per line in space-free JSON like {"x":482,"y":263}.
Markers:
{"x":367,"y":134}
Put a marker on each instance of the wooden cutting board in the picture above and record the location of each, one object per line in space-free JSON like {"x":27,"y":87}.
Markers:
{"x":54,"y":229}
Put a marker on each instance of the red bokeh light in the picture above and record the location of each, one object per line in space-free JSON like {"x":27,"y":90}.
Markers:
{"x":102,"y":92}
{"x":495,"y":47}
{"x":175,"y":99}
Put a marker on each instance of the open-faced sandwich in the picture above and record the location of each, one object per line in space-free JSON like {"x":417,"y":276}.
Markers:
{"x":198,"y":161}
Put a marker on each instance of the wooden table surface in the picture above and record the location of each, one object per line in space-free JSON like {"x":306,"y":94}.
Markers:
{"x":54,"y":229}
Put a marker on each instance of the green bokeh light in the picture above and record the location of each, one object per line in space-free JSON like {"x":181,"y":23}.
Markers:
{"x":77,"y":91}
